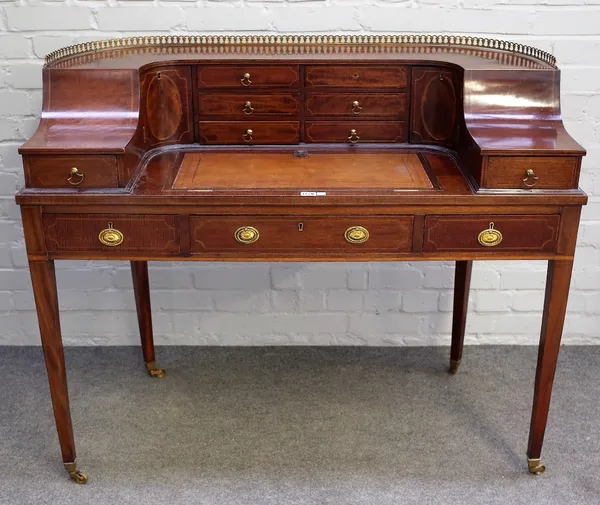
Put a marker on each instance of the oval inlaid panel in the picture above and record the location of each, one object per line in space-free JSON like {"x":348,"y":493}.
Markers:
{"x":438,"y":107}
{"x":163,"y":107}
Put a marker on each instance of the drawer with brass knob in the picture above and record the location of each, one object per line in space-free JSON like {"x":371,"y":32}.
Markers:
{"x":246,"y":132}
{"x":248,"y":76}
{"x":285,"y":234}
{"x":534,"y":233}
{"x":357,"y":105}
{"x":355,"y":131}
{"x":71,"y":171}
{"x":531,"y":172}
{"x":111,"y":234}
{"x":245,"y":104}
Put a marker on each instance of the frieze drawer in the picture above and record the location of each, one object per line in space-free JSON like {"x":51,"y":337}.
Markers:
{"x":112,"y":234}
{"x":353,"y":132}
{"x":535,"y":233}
{"x":242,"y":105}
{"x":71,"y":171}
{"x":249,"y":132}
{"x":357,"y":104}
{"x":350,"y":76}
{"x":248,"y":76}
{"x":299,"y":234}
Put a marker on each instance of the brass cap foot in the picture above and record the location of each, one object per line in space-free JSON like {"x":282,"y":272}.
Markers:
{"x":453,"y":366}
{"x":535,"y":466}
{"x":76,"y":475}
{"x":153,"y":371}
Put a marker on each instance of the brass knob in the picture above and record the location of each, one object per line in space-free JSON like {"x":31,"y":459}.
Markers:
{"x":356,"y":235}
{"x":110,"y":236}
{"x":248,"y":109}
{"x":530,"y":179}
{"x":247,"y":136}
{"x":353,"y":137}
{"x":246,"y":235}
{"x":75,"y":173}
{"x":490,"y":237}
{"x":356,"y":108}
{"x":246,"y":80}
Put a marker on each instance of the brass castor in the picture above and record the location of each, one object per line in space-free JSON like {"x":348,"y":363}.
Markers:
{"x":535,"y":466}
{"x":153,"y":371}
{"x":453,"y":366}
{"x":76,"y":475}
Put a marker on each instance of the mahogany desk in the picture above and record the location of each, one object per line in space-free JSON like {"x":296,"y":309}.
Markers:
{"x":303,"y":148}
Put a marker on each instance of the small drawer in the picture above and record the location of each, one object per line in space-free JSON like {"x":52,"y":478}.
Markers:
{"x":353,"y":132}
{"x":214,"y":234}
{"x":112,"y":234}
{"x":535,"y":233}
{"x":347,"y":76}
{"x":245,"y":105}
{"x":525,"y":172}
{"x":66,"y":171}
{"x":248,"y":76}
{"x":357,"y":104}
{"x":248,"y":132}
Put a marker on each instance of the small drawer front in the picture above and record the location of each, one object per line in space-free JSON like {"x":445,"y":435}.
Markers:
{"x":60,"y":171}
{"x":214,"y":234}
{"x":523,"y":172}
{"x":353,"y":132}
{"x":356,"y":104}
{"x":536,"y":233}
{"x":250,"y":133}
{"x":245,"y":105}
{"x":347,"y":76}
{"x":248,"y":76}
{"x":111,"y":234}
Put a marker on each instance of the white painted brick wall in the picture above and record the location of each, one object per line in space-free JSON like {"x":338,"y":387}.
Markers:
{"x":367,"y":304}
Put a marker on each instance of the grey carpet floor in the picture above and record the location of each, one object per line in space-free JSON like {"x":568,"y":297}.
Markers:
{"x":278,"y":426}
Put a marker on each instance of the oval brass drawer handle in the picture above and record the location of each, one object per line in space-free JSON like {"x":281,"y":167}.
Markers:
{"x":356,"y":108}
{"x":75,"y":173}
{"x":246,"y":235}
{"x":490,"y":237}
{"x":246,"y":80}
{"x":247,"y":135}
{"x":248,"y":109}
{"x":530,"y":179}
{"x":353,"y":137}
{"x":111,"y":236}
{"x":356,"y":235}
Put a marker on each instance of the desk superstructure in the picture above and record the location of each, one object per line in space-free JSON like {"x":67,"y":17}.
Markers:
{"x":301,"y":148}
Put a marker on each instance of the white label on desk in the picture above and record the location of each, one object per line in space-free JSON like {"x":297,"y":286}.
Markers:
{"x":313,"y":193}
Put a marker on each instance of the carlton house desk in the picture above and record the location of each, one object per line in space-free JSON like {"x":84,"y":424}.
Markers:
{"x":301,"y":148}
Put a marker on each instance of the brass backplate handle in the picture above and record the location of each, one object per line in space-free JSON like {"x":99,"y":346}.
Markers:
{"x":110,"y":236}
{"x":353,"y":137}
{"x":248,"y":109}
{"x":76,"y":177}
{"x":356,"y":235}
{"x":530,"y":179}
{"x":246,"y":235}
{"x":490,"y":237}
{"x":356,"y":108}
{"x":246,"y":80}
{"x":247,"y":135}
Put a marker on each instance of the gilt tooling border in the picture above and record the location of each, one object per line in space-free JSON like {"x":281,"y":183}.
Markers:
{"x":300,"y":40}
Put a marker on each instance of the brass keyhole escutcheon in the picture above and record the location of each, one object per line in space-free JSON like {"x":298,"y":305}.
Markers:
{"x":490,"y":237}
{"x":356,"y":108}
{"x":110,"y":236}
{"x":300,"y":226}
{"x":246,"y":235}
{"x":530,"y":179}
{"x":356,"y":235}
{"x":353,"y":137}
{"x":246,"y":80}
{"x":248,"y":109}
{"x":247,"y":136}
{"x":76,"y":177}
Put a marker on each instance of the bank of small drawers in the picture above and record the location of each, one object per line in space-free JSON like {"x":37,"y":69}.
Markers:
{"x":265,"y":104}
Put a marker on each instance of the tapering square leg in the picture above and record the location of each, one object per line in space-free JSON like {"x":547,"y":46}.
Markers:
{"x":558,"y":281}
{"x":462,"y":283}
{"x":141,"y":290}
{"x":43,"y":279}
